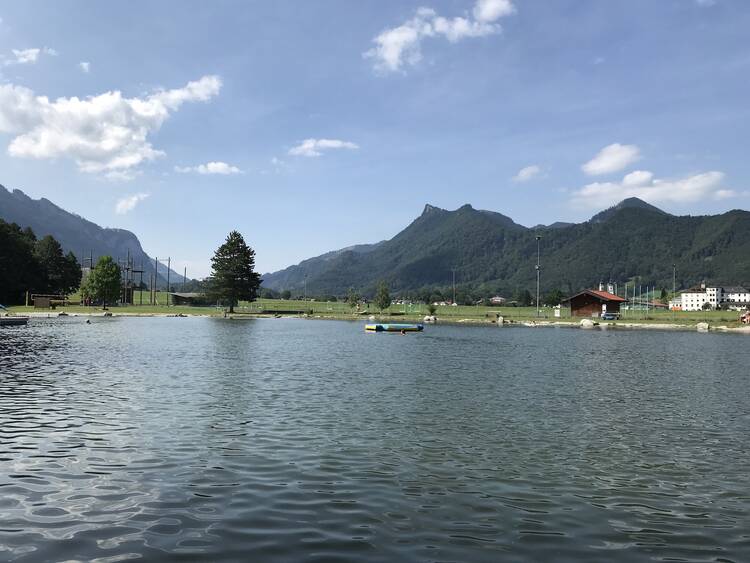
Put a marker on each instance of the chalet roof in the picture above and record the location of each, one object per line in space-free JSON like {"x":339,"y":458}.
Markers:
{"x":600,"y":295}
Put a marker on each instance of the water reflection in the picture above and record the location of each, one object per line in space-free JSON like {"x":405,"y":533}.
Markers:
{"x":285,"y":439}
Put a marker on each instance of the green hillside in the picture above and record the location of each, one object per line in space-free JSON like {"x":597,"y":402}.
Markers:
{"x":76,"y":234}
{"x":492,"y":254}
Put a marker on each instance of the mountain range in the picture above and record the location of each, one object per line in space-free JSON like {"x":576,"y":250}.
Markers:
{"x":76,"y":234}
{"x":490,"y":253}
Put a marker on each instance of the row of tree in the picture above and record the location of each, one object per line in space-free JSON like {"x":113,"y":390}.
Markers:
{"x":522,"y":298}
{"x":34,"y":265}
{"x":28,"y":264}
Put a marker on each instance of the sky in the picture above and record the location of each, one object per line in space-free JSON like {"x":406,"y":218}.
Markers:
{"x":312,"y":126}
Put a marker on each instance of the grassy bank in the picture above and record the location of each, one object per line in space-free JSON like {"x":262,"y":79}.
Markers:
{"x":339,"y":310}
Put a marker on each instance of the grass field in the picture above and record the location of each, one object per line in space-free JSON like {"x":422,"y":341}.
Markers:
{"x":405,"y":312}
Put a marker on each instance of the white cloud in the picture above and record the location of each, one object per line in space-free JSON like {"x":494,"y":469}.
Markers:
{"x":25,"y":56}
{"x":28,"y":56}
{"x":102,"y":134}
{"x":527,"y":173}
{"x":643,"y":185}
{"x":213,"y":167}
{"x":128,"y":203}
{"x":612,"y":158}
{"x":85,"y":66}
{"x":401,"y":46}
{"x":637,"y":178}
{"x":491,"y":10}
{"x":315,"y":147}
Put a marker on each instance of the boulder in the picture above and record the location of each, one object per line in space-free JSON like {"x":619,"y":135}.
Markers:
{"x":587,"y":323}
{"x":702,"y":327}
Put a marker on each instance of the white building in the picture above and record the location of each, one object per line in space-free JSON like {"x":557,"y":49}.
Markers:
{"x":693,"y":300}
{"x":736,"y":297}
{"x":713,"y":296}
{"x":732,"y":297}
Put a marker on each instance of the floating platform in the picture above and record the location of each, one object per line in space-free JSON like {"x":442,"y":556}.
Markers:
{"x":394,"y":328}
{"x":13,"y":321}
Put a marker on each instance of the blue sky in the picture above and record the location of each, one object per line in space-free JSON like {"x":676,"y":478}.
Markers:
{"x":310,"y":126}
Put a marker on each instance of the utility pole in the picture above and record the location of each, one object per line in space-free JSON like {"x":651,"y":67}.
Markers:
{"x":184,"y":278}
{"x":538,"y":271}
{"x":153,"y":285}
{"x":453,"y":269}
{"x":304,"y":295}
{"x":169,"y":266}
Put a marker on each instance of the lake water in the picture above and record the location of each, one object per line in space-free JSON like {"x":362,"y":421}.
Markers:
{"x":289,"y":440}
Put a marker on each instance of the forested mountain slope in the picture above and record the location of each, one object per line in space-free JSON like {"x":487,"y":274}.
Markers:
{"x":491,"y":253}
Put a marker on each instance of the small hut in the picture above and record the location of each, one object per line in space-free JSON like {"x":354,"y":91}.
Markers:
{"x":592,"y":303}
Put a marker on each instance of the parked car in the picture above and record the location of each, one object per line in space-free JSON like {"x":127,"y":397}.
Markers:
{"x":610,"y":316}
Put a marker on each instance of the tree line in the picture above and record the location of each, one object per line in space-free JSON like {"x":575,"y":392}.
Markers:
{"x":34,"y":265}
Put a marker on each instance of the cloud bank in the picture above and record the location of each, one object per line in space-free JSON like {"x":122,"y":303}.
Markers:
{"x":401,"y":46}
{"x":105,"y":134}
{"x":643,"y":185}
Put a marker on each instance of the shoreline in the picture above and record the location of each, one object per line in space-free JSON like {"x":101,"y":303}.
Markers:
{"x":531,"y":323}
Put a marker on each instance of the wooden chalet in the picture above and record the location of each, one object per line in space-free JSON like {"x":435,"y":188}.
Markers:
{"x":593,"y":302}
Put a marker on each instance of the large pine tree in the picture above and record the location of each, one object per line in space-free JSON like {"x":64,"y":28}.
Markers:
{"x":233,"y":276}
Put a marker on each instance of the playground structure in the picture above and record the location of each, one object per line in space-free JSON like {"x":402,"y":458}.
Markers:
{"x":132,"y":278}
{"x":128,"y":285}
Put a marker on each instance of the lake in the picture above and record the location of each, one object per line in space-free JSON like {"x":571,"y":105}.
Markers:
{"x":184,"y":439}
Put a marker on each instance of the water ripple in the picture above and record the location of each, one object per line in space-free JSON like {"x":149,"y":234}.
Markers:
{"x":284,"y":440}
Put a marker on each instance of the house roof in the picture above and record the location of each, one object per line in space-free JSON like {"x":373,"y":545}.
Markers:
{"x":186,"y":295}
{"x":601,"y":295}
